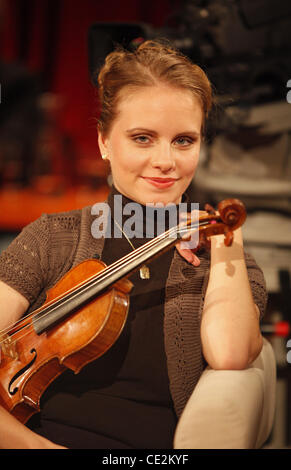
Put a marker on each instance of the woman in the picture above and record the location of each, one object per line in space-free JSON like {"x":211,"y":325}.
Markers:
{"x":189,"y":311}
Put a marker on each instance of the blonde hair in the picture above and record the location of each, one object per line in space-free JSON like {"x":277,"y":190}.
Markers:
{"x":152,"y":63}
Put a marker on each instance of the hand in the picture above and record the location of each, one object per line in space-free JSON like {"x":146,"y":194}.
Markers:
{"x":189,"y":253}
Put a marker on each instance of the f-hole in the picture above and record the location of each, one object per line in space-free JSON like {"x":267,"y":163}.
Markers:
{"x":20,"y":372}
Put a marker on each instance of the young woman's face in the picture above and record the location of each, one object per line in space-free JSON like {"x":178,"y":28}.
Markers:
{"x":154,"y":142}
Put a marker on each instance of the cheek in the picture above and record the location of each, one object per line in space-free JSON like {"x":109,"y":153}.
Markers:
{"x":117,"y":154}
{"x":189,"y":165}
{"x":124,"y":165}
{"x":124,"y":159}
{"x":195,"y":159}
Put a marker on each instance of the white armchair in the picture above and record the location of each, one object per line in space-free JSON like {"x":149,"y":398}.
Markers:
{"x":231,"y":409}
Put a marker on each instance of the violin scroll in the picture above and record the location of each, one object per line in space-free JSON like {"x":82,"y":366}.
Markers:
{"x":230,"y":215}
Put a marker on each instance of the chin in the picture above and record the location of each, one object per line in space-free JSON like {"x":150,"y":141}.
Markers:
{"x":165,"y":199}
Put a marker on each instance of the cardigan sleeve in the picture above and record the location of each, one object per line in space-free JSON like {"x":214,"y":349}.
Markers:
{"x":24,"y":265}
{"x":41,"y":254}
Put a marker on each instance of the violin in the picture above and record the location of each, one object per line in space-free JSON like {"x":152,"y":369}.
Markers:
{"x":85,"y":312}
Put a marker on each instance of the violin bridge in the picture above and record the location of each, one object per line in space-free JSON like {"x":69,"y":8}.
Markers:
{"x":8,"y":346}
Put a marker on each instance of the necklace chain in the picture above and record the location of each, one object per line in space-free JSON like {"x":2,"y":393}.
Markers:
{"x":144,"y":271}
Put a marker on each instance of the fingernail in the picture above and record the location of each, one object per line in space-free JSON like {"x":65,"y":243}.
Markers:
{"x":196,"y":261}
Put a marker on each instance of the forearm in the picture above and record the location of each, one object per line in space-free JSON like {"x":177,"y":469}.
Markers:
{"x":14,"y":435}
{"x":230,"y":330}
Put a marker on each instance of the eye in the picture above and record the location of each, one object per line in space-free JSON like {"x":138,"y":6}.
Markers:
{"x":141,"y":139}
{"x":184,"y":141}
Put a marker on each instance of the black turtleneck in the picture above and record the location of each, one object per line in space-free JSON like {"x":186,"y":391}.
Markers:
{"x":121,"y":400}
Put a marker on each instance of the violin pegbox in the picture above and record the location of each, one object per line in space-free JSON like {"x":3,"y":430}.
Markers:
{"x":209,"y":209}
{"x":232,"y":212}
{"x":229,"y":216}
{"x":233,"y":215}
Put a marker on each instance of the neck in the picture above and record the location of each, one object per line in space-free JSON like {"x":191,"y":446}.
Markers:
{"x":139,"y":220}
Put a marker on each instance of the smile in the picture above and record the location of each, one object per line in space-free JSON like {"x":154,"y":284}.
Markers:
{"x":160,"y":182}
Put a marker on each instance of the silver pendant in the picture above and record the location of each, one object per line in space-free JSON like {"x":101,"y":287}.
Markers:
{"x":144,"y":272}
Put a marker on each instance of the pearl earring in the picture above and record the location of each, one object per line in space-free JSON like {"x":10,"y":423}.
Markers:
{"x":104,"y":156}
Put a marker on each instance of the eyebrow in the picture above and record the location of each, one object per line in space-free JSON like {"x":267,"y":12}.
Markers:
{"x":142,"y":129}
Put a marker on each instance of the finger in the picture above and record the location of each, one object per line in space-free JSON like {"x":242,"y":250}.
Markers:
{"x":188,"y":255}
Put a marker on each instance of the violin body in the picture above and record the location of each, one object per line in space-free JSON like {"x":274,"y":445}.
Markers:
{"x":31,"y":362}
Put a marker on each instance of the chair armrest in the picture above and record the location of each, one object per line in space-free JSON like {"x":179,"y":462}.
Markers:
{"x":231,"y":409}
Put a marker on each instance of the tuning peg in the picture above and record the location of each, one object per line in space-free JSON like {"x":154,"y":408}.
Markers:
{"x":209,"y":209}
{"x":228,"y":238}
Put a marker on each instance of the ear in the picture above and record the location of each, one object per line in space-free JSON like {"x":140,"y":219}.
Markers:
{"x":102,"y":142}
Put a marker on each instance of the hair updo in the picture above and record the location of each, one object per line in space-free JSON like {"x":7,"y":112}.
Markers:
{"x":152,"y":63}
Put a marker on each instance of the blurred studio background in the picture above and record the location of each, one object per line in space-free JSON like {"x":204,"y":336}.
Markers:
{"x":49,"y":157}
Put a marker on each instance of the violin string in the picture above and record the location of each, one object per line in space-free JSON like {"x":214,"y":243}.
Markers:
{"x":107,"y":272}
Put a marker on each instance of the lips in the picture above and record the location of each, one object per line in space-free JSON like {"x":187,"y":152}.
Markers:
{"x":160,"y":182}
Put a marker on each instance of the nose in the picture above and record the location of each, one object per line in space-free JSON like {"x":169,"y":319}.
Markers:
{"x":163,"y":158}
